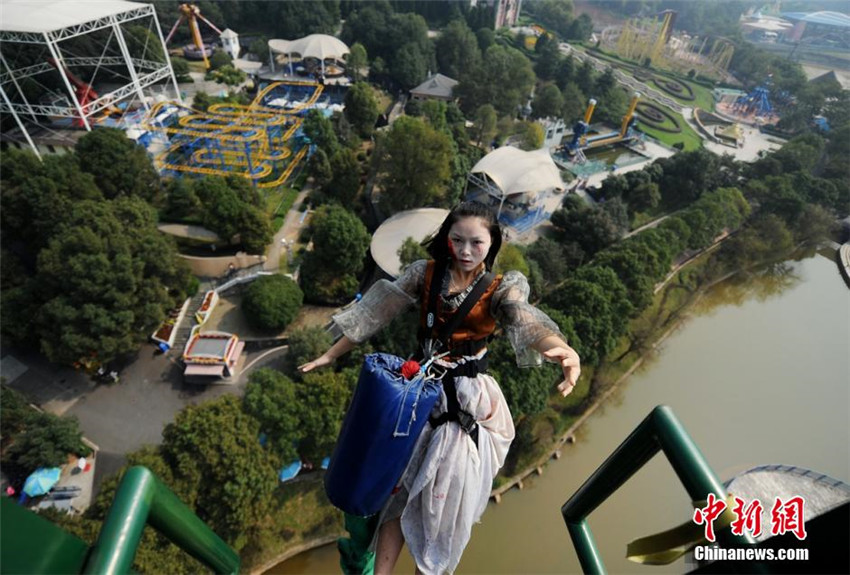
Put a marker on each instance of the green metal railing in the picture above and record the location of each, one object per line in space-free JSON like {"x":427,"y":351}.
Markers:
{"x":31,"y":544}
{"x":141,"y":500}
{"x":660,"y":431}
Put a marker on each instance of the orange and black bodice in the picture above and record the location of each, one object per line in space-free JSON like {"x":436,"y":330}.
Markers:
{"x":479,"y":324}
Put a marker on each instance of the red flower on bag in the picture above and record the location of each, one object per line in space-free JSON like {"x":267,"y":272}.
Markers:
{"x":409,"y":369}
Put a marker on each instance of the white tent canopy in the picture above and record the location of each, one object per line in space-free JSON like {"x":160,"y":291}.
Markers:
{"x":388,"y":238}
{"x":320,"y":46}
{"x":51,"y":15}
{"x":515,"y":171}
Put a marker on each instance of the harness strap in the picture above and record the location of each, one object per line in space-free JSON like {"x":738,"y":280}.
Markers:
{"x":453,"y":411}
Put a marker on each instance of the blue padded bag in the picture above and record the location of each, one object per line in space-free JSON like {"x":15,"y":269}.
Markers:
{"x":386,"y":416}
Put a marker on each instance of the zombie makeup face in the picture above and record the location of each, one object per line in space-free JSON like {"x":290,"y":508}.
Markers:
{"x":469,"y":243}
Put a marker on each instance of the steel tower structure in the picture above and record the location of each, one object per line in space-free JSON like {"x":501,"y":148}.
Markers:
{"x":37,"y":43}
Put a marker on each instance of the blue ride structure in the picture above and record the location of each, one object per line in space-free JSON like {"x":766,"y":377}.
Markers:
{"x":581,"y":141}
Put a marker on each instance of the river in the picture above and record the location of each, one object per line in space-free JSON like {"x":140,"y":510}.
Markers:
{"x":760,"y":374}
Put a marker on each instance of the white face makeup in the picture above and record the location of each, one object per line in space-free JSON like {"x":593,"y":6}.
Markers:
{"x":469,"y":239}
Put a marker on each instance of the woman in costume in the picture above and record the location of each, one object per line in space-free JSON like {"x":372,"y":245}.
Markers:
{"x":446,"y":486}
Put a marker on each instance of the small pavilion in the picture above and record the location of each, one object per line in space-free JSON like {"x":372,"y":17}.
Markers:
{"x":513,"y":181}
{"x":326,"y":49}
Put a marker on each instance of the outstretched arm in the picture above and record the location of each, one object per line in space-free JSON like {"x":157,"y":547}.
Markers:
{"x":340,"y":348}
{"x":556,"y":350}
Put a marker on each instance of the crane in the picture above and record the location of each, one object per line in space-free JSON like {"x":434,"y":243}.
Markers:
{"x":192,"y":13}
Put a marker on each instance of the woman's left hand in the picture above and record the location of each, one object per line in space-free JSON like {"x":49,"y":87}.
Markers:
{"x":570,"y":363}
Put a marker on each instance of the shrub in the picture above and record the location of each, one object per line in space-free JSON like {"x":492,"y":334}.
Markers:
{"x":272,"y":302}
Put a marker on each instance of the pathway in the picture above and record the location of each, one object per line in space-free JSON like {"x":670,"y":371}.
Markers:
{"x":289,"y":231}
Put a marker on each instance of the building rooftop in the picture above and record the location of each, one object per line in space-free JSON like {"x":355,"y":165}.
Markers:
{"x":437,"y":86}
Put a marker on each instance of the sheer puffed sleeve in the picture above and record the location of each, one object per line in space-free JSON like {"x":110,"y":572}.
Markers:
{"x":523,"y":323}
{"x":383,"y":301}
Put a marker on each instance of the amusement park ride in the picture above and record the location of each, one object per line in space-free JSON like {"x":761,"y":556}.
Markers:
{"x":581,"y":141}
{"x":200,"y":51}
{"x":652,"y":39}
{"x":84,"y":92}
{"x":257,"y":141}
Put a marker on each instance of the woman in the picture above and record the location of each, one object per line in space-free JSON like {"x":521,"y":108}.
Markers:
{"x":447,"y":483}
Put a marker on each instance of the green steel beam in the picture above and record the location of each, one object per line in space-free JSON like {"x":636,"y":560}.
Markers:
{"x":32,"y":544}
{"x":143,"y":499}
{"x":660,"y":431}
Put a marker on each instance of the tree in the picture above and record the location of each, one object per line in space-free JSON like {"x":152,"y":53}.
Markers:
{"x":343,"y":187}
{"x":457,"y":50}
{"x":322,"y":398}
{"x":548,"y":57}
{"x":255,"y":230}
{"x":415,"y":165}
{"x":320,"y":168}
{"x":46,"y":441}
{"x":511,"y":258}
{"x":632,"y":272}
{"x":574,"y":103}
{"x":531,"y":135}
{"x":272,"y":302}
{"x":411,"y":251}
{"x":504,"y":80}
{"x":592,"y":318}
{"x":409,"y":66}
{"x":201,"y":101}
{"x":687,"y":175}
{"x":485,"y":123}
{"x":320,"y":131}
{"x":37,"y":197}
{"x":222,"y":207}
{"x":361,"y":108}
{"x":340,"y":241}
{"x":565,"y":75}
{"x":260,"y":48}
{"x":305,"y":344}
{"x":618,"y":213}
{"x":220,"y":59}
{"x":214,"y":447}
{"x":555,"y":260}
{"x":580,"y":29}
{"x":555,"y":14}
{"x":271,"y":398}
{"x":357,"y":61}
{"x":119,"y":166}
{"x":548,"y":102}
{"x":181,"y":201}
{"x":525,"y":390}
{"x":486,"y":38}
{"x":105,"y":280}
{"x":591,"y":228}
{"x":645,"y":197}
{"x":231,"y":209}
{"x":181,"y":69}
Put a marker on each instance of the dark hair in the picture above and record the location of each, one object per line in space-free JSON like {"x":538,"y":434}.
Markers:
{"x":438,"y":246}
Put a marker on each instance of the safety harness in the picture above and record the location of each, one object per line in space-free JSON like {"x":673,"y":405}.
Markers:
{"x":432,"y":345}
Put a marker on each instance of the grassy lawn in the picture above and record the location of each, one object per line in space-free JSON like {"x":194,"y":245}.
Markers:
{"x":688,"y":136}
{"x":278,"y":203}
{"x":702,"y":95}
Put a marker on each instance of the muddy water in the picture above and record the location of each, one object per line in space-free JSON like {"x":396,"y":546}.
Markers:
{"x":759,"y":375}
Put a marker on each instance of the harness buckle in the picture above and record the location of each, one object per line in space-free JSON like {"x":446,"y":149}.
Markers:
{"x":466,"y":422}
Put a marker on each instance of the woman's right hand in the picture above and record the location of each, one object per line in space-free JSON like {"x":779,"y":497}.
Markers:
{"x":320,"y":361}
